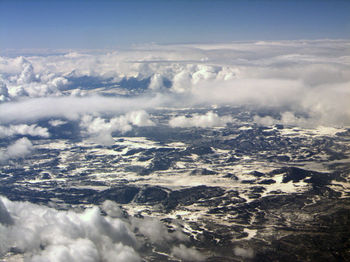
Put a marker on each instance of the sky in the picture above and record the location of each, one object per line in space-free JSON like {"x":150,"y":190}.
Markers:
{"x":111,"y":24}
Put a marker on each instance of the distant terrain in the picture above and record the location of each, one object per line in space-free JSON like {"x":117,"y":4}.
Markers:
{"x":151,"y":164}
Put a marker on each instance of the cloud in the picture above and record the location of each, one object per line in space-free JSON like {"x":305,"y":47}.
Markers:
{"x":5,"y":217}
{"x":242,"y":252}
{"x":112,"y":209}
{"x":308,"y":76}
{"x":181,"y":82}
{"x":314,"y":119}
{"x":19,"y":149}
{"x":100,"y":130}
{"x":4,"y":94}
{"x":32,"y":130}
{"x":253,"y":92}
{"x":73,"y":107}
{"x":45,"y":234}
{"x":155,"y":231}
{"x":39,"y":233}
{"x":22,"y":80}
{"x":151,"y":228}
{"x":187,"y":254}
{"x":57,"y":122}
{"x":210,"y":119}
{"x":156,"y":82}
{"x":79,"y":250}
{"x":286,"y":118}
{"x":139,"y":118}
{"x":266,"y":120}
{"x":27,"y":75}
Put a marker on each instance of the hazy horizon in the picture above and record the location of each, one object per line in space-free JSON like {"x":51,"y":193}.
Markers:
{"x":119,"y":24}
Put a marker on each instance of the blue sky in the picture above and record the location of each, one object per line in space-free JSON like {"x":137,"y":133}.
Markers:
{"x":110,"y":24}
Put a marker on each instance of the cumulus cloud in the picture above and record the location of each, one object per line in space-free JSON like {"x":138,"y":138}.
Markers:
{"x":187,"y":254}
{"x":32,"y":130}
{"x":20,"y":148}
{"x":156,"y":82}
{"x":4,"y":94}
{"x":182,"y":82}
{"x":100,"y":130}
{"x":45,"y":234}
{"x":210,"y":119}
{"x":139,"y":118}
{"x":289,"y":119}
{"x":57,"y":122}
{"x":27,"y":75}
{"x":22,"y":80}
{"x":39,"y":233}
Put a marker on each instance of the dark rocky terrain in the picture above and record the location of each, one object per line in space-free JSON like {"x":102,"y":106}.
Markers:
{"x":243,"y":192}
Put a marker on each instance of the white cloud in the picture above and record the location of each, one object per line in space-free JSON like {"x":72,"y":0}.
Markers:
{"x":204,"y":73}
{"x":112,"y":209}
{"x":257,"y":92}
{"x":5,"y":218}
{"x":155,"y":231}
{"x":182,"y":82}
{"x":265,"y":121}
{"x":57,"y":122}
{"x":302,"y":75}
{"x":78,"y":250}
{"x":20,"y":148}
{"x":150,"y":227}
{"x":100,"y":130}
{"x":40,"y":233}
{"x":22,"y":80}
{"x":242,"y":252}
{"x":27,"y":75}
{"x":210,"y":119}
{"x":139,"y":118}
{"x":156,"y":82}
{"x":46,"y":234}
{"x":289,"y":119}
{"x":32,"y":130}
{"x":73,"y":107}
{"x":187,"y":254}
{"x":4,"y":94}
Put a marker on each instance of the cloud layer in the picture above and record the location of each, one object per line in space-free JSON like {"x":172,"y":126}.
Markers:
{"x":309,"y":77}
